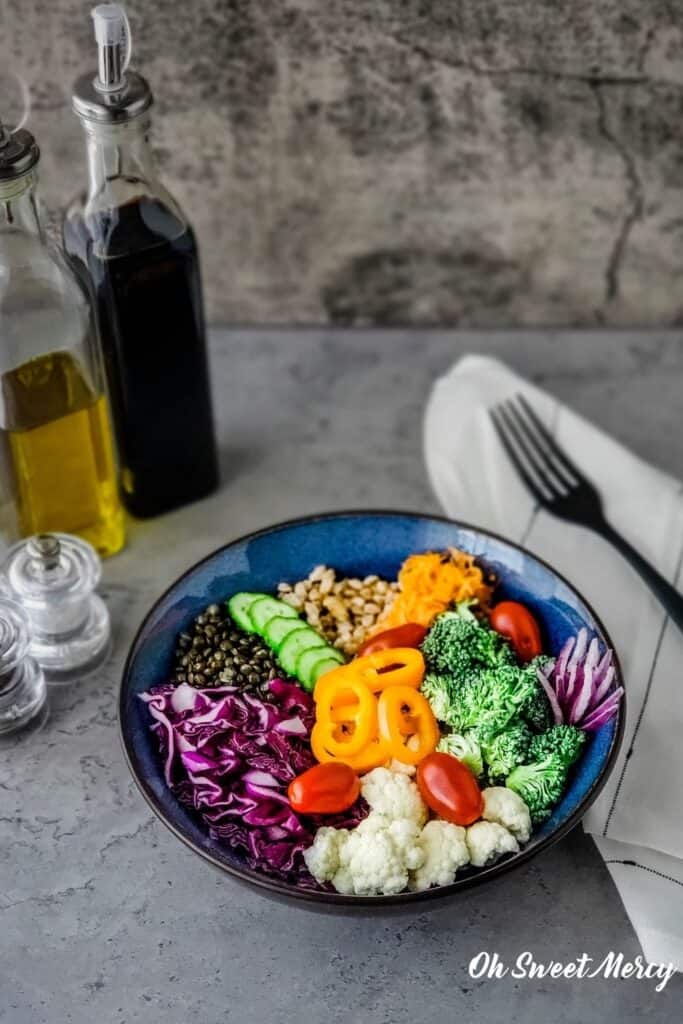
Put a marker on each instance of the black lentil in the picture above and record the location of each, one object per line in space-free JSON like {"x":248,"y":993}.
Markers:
{"x":215,"y":652}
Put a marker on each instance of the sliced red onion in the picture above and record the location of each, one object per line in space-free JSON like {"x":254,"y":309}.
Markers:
{"x":585,"y":693}
{"x":552,"y":698}
{"x":603,"y":685}
{"x":579,"y":685}
{"x":561,"y":664}
{"x":603,"y":712}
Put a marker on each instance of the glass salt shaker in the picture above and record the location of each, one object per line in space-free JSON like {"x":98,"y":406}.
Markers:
{"x":53,"y":577}
{"x":22,"y":682}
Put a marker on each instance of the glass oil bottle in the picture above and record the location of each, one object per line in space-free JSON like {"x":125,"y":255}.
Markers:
{"x":132,"y":247}
{"x":57,"y":466}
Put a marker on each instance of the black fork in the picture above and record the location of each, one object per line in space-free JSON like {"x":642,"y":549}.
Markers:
{"x":559,"y":486}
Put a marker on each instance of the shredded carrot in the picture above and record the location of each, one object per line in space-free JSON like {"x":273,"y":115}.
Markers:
{"x":431,"y":583}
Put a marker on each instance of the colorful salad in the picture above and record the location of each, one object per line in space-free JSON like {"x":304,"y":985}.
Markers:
{"x":369,"y":736}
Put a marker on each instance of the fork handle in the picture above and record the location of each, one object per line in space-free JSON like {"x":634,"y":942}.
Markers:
{"x":668,"y":596}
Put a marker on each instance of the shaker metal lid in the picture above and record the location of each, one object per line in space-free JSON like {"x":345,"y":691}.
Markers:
{"x":18,"y":153}
{"x":111,"y":107}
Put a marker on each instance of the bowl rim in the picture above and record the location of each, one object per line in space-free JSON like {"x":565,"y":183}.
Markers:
{"x":289,"y":891}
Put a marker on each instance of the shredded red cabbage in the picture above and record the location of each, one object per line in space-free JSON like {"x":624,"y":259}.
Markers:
{"x":230,"y":757}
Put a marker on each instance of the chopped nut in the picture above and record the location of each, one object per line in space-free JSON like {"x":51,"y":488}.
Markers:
{"x":343,"y":610}
{"x":312,"y":612}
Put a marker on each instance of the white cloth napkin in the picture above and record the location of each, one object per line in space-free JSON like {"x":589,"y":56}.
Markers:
{"x":637,"y":821}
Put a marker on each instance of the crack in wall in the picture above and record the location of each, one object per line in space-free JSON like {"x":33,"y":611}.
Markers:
{"x":645,"y":48}
{"x":590,"y":79}
{"x":635,"y":199}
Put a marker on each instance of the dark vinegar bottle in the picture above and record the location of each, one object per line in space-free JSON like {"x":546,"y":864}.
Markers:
{"x":133,"y":249}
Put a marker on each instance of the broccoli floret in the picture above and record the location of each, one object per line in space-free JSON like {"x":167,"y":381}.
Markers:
{"x":466,"y":748}
{"x":459,"y":645}
{"x":506,"y":750}
{"x":488,"y":703}
{"x":539,"y":784}
{"x":564,"y":741}
{"x":536,"y":710}
{"x":441,"y":692}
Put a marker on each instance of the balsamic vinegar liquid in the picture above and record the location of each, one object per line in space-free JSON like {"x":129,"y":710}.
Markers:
{"x":140,"y":266}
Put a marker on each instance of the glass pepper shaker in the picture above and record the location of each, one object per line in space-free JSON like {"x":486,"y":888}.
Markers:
{"x":53,"y":577}
{"x":22,"y":683}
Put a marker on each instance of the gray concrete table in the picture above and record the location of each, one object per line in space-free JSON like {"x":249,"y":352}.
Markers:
{"x":105,"y":917}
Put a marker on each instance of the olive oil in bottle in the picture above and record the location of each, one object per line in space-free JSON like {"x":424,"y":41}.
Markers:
{"x":57,"y":466}
{"x":61,"y":450}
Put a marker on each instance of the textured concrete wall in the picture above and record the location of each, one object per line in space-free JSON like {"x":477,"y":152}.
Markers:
{"x":402,"y":161}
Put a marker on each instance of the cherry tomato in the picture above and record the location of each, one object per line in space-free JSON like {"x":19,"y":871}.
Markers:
{"x":449,"y":788}
{"x":516,"y":622}
{"x":410,"y":635}
{"x":324,"y":789}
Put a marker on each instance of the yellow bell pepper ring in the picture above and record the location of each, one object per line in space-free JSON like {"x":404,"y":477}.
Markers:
{"x":330,"y":681}
{"x":358,"y":721}
{"x":397,"y":666}
{"x":332,"y":689}
{"x":407,"y":723}
{"x":375,"y":754}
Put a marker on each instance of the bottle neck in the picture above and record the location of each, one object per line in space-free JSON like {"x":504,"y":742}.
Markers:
{"x":119,"y":159}
{"x":19,"y":207}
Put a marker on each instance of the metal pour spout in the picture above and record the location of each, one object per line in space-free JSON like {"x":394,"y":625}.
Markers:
{"x":112,"y":34}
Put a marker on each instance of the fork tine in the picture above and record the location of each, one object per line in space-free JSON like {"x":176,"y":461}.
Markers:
{"x":516,"y":461}
{"x":547,"y":459}
{"x":550,"y":441}
{"x":534,"y":455}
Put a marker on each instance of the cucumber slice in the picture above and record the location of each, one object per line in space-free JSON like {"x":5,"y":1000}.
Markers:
{"x":268,"y":608}
{"x":310,"y":658}
{"x":295,"y":644}
{"x":325,"y":664}
{"x":239,"y":605}
{"x":278,"y":628}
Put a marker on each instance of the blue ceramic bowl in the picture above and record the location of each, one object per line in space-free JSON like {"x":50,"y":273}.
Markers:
{"x":355,"y":544}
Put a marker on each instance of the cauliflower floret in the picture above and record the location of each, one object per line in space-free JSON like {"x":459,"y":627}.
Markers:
{"x":343,"y":882}
{"x":507,"y":808}
{"x":405,"y":835}
{"x":370,"y":862}
{"x":445,"y":850}
{"x":394,"y":795}
{"x":487,"y":841}
{"x":322,"y":858}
